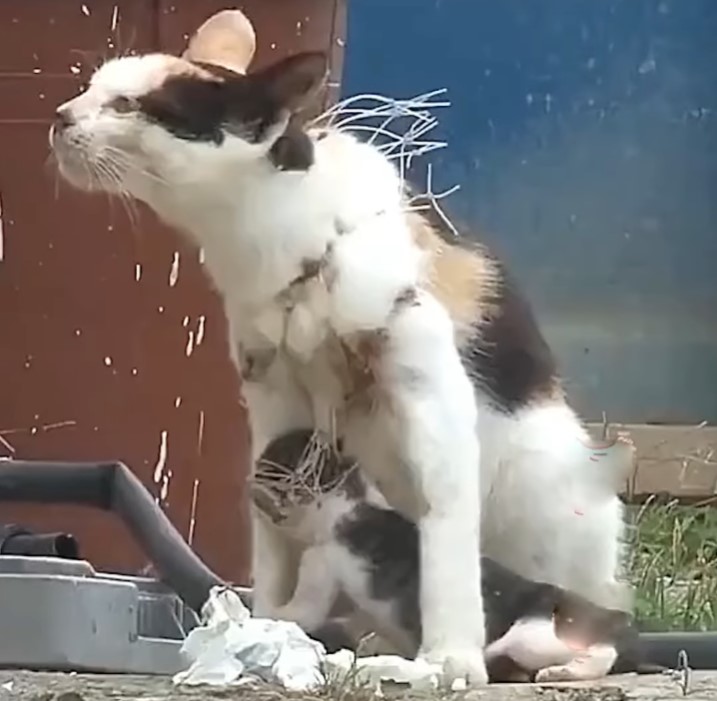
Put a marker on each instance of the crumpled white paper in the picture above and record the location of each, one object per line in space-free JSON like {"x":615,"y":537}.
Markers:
{"x":230,"y":647}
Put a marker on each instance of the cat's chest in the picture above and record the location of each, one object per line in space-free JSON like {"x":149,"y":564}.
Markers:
{"x":289,"y":346}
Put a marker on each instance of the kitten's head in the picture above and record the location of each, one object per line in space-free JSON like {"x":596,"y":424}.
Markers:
{"x":161,"y":119}
{"x":297,"y":473}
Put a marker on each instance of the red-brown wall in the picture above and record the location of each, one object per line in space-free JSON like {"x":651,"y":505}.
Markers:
{"x":95,"y":350}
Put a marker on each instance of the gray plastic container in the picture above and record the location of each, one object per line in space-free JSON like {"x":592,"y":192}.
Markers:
{"x":60,"y":614}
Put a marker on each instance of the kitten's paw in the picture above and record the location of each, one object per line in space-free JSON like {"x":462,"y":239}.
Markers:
{"x":593,"y":663}
{"x":465,"y":663}
{"x":557,"y":673}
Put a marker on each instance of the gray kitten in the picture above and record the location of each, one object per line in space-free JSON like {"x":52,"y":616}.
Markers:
{"x":358,"y":547}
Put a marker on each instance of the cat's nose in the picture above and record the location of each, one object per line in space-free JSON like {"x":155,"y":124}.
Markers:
{"x":63,"y":119}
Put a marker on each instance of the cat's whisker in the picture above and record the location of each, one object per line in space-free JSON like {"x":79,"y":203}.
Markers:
{"x":125,"y":162}
{"x":128,"y":203}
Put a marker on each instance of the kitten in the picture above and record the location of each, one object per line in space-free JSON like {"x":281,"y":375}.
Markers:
{"x":347,"y":312}
{"x":359,"y":547}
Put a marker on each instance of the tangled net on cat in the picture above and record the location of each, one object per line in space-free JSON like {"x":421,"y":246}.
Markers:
{"x":401,"y":130}
{"x":318,"y":471}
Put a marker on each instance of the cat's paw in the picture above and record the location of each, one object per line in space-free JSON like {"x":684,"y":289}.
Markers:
{"x":306,"y":617}
{"x":464,"y":663}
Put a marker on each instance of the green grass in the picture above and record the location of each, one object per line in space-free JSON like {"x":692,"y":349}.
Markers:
{"x":673,"y":565}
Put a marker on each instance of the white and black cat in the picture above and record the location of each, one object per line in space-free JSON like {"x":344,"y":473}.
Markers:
{"x":357,"y":546}
{"x":349,"y":313}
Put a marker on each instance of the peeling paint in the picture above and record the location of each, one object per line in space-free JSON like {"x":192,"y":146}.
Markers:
{"x":108,"y":360}
{"x":200,"y":329}
{"x":85,"y":10}
{"x":161,"y":458}
{"x":190,"y":344}
{"x":164,"y":490}
{"x":75,"y":70}
{"x":137,"y":271}
{"x":174,"y":270}
{"x":115,"y":17}
{"x":647,"y":66}
{"x":185,"y":322}
{"x":177,"y":402}
{"x":200,"y":432}
{"x":193,"y":512}
{"x":9,"y":447}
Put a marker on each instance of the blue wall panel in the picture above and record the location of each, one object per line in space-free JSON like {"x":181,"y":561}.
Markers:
{"x":583,"y":134}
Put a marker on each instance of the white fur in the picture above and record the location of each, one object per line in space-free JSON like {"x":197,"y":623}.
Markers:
{"x":593,"y":663}
{"x":437,"y":450}
{"x":532,"y":644}
{"x":327,"y":569}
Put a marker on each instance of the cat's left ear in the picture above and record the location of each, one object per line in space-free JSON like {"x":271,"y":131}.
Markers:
{"x":294,"y":81}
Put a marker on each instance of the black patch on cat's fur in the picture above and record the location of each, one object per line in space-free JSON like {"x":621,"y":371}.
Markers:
{"x":389,"y":544}
{"x":333,"y":636}
{"x":294,"y":150}
{"x":287,"y":449}
{"x":195,"y":108}
{"x":507,"y":356}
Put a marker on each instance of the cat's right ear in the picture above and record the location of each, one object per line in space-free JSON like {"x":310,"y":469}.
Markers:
{"x":294,"y":81}
{"x":227,"y":39}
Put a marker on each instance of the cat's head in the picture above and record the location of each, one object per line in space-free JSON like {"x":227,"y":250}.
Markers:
{"x":161,"y":119}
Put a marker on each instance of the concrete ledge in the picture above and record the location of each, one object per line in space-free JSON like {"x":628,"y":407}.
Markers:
{"x":34,"y":686}
{"x":678,"y":460}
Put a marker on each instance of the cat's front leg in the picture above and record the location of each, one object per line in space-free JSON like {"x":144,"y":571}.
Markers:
{"x":275,"y":406}
{"x":273,"y":567}
{"x":426,"y":387}
{"x":315,"y":593}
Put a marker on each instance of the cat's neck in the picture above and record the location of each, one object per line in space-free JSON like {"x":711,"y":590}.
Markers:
{"x":256,"y":226}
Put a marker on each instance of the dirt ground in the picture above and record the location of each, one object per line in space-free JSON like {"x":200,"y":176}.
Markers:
{"x":30,"y":686}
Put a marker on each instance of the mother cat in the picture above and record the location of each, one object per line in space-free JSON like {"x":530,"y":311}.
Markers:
{"x":347,"y":313}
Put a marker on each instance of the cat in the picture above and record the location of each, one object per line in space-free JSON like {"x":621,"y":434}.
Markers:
{"x":350,"y":314}
{"x":357,"y":546}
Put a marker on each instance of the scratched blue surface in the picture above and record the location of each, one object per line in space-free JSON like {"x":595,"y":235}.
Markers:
{"x":583,"y":134}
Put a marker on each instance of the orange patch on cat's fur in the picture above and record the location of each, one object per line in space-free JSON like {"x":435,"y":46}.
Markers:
{"x":464,"y":280}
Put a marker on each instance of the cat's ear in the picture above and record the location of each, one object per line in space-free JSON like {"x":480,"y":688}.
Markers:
{"x":294,"y":81}
{"x":226,"y":39}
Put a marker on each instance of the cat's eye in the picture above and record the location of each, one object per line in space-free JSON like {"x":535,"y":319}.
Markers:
{"x":122,"y":104}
